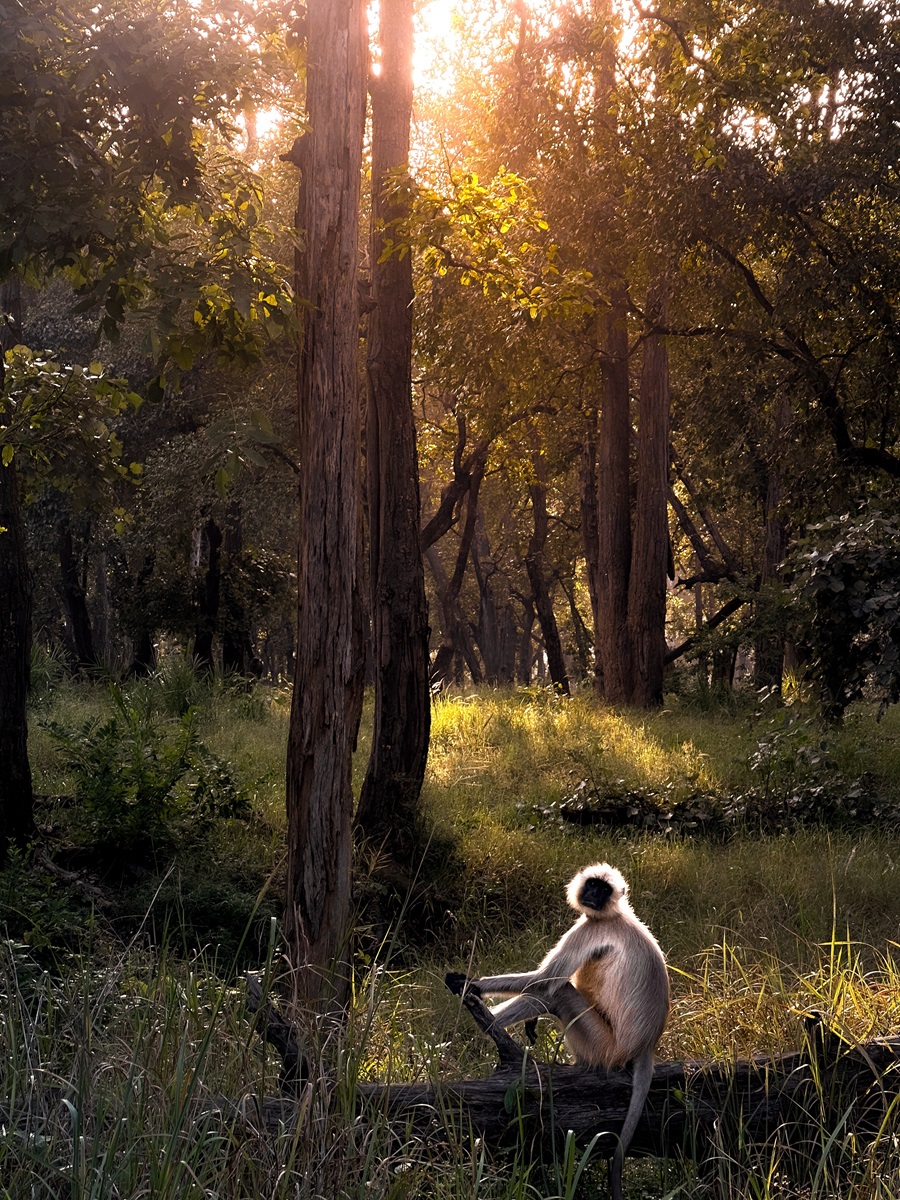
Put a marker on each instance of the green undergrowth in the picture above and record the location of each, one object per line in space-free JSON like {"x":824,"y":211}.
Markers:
{"x":122,"y":1014}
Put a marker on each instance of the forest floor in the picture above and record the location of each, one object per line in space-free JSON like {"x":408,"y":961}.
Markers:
{"x":761,"y":847}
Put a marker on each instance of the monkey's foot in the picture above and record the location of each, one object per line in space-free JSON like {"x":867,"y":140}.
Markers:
{"x":458,"y":983}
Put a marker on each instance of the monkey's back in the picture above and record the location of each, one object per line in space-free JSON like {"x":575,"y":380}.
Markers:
{"x":628,"y":985}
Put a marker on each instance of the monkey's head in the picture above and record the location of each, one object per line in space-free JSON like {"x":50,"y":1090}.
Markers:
{"x":596,"y":891}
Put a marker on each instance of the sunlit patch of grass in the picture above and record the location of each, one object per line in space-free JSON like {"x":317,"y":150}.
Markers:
{"x":527,"y":745}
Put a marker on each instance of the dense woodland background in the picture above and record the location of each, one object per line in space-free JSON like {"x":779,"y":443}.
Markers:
{"x":492,"y":414}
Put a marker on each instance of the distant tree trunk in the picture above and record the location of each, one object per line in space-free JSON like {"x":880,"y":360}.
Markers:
{"x":238,"y":656}
{"x":457,"y":638}
{"x":496,"y":632}
{"x":590,"y":529}
{"x":650,"y":551}
{"x":389,"y":812}
{"x":102,"y":638}
{"x":633,"y":547}
{"x":327,"y":695}
{"x":208,"y":595}
{"x":16,"y":794}
{"x":73,"y":594}
{"x":537,"y":577}
{"x":614,"y":509}
{"x":143,"y":651}
{"x":583,"y":647}
{"x":526,"y":649}
{"x":769,"y":648}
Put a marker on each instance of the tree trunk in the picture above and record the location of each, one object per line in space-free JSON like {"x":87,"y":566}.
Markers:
{"x":327,"y":696}
{"x":73,"y":593}
{"x":650,"y":550}
{"x":496,"y":632}
{"x":526,"y":648}
{"x":102,"y":638}
{"x":769,"y":648}
{"x":208,"y":595}
{"x":144,"y":653}
{"x":16,"y":794}
{"x":590,"y":531}
{"x":237,"y":644}
{"x":534,"y":565}
{"x":389,"y":812}
{"x":457,"y":638}
{"x":614,"y":508}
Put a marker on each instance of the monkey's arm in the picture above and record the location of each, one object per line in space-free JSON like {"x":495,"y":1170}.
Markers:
{"x":555,"y":970}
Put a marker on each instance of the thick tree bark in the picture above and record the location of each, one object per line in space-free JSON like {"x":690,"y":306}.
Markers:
{"x":388,"y":812}
{"x":537,"y":577}
{"x":73,"y":594}
{"x":614,"y":509}
{"x":329,"y":664}
{"x":650,"y":551}
{"x":16,"y":794}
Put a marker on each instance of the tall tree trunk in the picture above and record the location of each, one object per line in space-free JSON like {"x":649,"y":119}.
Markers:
{"x":235,"y":634}
{"x":769,"y":648}
{"x":590,"y":531}
{"x":614,"y":492}
{"x":526,"y":648}
{"x":389,"y":812}
{"x":329,"y":664}
{"x":457,"y":638}
{"x":102,"y":638}
{"x":650,"y":553}
{"x":73,"y":593}
{"x":496,"y":631}
{"x":208,"y":594}
{"x":16,"y":794}
{"x":537,"y":577}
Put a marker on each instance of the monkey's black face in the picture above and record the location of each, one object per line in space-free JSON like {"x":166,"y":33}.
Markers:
{"x":595,"y":894}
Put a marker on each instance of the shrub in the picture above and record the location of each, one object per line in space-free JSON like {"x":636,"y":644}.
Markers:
{"x":145,"y":783}
{"x":845,"y":585}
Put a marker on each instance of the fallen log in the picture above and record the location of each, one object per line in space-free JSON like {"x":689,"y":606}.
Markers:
{"x":695,"y":1109}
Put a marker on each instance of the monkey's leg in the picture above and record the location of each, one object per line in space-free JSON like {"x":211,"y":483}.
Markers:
{"x":520,"y":1008}
{"x":587,"y":1032}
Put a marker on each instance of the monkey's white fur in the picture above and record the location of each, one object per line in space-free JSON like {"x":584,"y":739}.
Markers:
{"x":605,"y":981}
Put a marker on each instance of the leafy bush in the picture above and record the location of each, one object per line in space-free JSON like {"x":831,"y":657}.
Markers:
{"x":796,"y":783}
{"x":846,"y":585}
{"x":143,"y":782}
{"x":47,"y":672}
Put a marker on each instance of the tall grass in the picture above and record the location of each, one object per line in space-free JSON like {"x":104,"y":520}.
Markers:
{"x":114,"y":1057}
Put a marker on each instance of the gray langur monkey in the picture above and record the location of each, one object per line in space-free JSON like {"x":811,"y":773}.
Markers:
{"x":605,"y":981}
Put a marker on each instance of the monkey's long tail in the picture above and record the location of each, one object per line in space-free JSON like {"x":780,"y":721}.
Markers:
{"x":642,"y":1076}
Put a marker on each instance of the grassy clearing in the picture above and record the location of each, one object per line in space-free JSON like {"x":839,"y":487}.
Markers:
{"x":110,"y":1055}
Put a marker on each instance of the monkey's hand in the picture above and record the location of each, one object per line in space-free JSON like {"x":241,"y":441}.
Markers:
{"x":459,"y":983}
{"x":531,"y":1031}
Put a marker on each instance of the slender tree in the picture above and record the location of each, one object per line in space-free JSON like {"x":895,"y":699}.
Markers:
{"x":328,"y":679}
{"x":389,"y":803}
{"x":16,"y":796}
